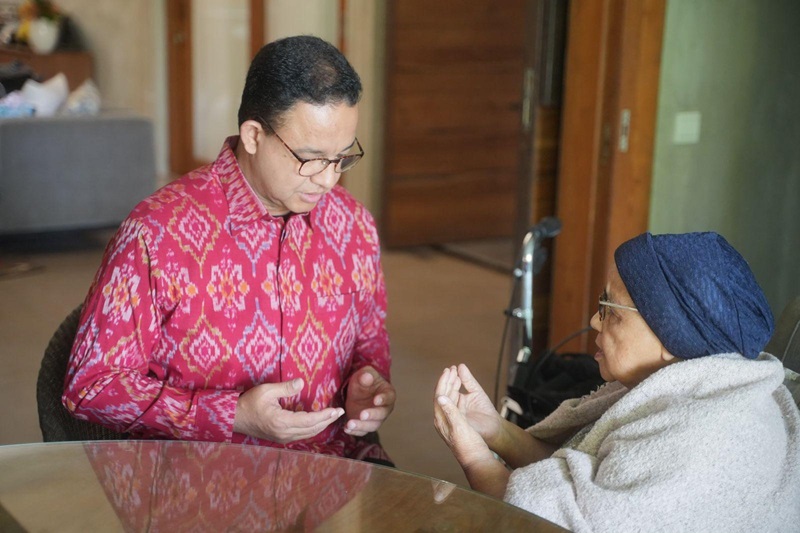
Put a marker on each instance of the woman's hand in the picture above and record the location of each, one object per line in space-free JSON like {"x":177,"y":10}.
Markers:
{"x":514,"y":445}
{"x":463,"y":420}
{"x":465,"y":443}
{"x":484,"y":472}
{"x":474,"y":404}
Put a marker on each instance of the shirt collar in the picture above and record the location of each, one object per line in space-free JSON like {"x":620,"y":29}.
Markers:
{"x":244,"y":206}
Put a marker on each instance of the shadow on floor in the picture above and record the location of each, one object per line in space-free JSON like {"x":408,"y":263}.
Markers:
{"x":497,"y":254}
{"x":56,"y":241}
{"x":18,"y":252}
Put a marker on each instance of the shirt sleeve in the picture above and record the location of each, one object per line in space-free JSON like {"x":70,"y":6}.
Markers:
{"x":109,"y":377}
{"x":372,"y":343}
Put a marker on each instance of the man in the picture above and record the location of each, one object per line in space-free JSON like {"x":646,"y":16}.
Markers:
{"x":245,"y":301}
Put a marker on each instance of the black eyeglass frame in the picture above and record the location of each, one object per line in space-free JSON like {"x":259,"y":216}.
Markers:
{"x":338,"y":166}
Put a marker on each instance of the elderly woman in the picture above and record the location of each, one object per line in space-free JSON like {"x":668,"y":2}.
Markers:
{"x":694,"y":430}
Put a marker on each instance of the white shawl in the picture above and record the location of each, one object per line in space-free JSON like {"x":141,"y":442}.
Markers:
{"x":703,"y":445}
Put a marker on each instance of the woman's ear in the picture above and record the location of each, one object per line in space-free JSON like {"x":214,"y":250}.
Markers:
{"x":248,"y":135}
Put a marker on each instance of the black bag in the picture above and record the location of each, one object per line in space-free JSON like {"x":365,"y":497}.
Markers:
{"x":553,"y":379}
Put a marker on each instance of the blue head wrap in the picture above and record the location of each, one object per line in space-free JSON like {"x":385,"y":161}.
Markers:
{"x":696,"y":293}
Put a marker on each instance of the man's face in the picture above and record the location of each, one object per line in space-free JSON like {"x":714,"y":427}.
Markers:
{"x":312,"y":132}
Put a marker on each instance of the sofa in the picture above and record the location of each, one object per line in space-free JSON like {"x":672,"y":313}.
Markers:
{"x":73,"y":172}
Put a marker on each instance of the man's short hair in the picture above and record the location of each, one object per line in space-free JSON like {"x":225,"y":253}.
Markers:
{"x":296,"y":69}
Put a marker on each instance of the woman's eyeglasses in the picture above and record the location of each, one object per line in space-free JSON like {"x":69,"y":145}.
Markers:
{"x":603,"y":303}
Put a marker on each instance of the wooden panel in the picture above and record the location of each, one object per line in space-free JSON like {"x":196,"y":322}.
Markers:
{"x":453,"y":120}
{"x":580,"y":124}
{"x":609,"y":118}
{"x":76,"y":66}
{"x":257,"y":33}
{"x":423,"y":202}
{"x":179,"y":79}
{"x":542,"y":204}
{"x":458,"y":164}
{"x":613,"y":63}
{"x":638,"y":92}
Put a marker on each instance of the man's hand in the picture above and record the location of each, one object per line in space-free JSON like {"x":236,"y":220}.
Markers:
{"x":259,"y":414}
{"x":370,"y":399}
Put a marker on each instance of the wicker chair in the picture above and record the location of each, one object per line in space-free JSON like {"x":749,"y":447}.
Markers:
{"x":56,"y":422}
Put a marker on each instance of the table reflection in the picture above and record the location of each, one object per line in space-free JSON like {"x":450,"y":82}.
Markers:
{"x":196,"y":486}
{"x":202,"y":486}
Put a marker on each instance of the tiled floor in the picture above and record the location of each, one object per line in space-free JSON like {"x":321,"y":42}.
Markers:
{"x":442,"y":311}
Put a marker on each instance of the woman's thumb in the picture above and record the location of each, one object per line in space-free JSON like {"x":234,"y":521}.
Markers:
{"x":447,"y":405}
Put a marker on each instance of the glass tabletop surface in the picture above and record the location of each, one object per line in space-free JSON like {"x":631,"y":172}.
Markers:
{"x":201,"y":486}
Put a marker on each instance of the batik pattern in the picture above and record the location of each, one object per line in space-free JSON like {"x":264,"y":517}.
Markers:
{"x":182,"y":486}
{"x":202,"y":294}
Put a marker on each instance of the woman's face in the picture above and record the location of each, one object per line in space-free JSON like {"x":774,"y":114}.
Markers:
{"x":629,"y":350}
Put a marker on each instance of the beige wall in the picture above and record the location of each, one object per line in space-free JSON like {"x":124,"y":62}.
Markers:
{"x":302,"y":17}
{"x":127,"y":39}
{"x":365,"y":22}
{"x":220,"y":59}
{"x":731,"y":63}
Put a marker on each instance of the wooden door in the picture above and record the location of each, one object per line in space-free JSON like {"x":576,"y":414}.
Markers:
{"x":453,"y":120}
{"x":609,"y":118}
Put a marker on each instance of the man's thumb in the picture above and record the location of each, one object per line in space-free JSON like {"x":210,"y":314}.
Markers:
{"x":290,"y":388}
{"x":366,"y":379}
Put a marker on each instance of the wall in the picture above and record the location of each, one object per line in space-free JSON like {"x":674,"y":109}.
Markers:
{"x":365,"y":47}
{"x":364,"y":43}
{"x":299,"y":17}
{"x":220,"y":59}
{"x":125,"y":39}
{"x":128,"y":42}
{"x":735,"y":62}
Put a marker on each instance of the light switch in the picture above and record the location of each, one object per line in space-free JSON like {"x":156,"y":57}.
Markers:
{"x":687,"y":128}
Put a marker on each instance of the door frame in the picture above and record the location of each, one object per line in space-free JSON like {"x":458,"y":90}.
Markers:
{"x":543,"y":66}
{"x":613,"y":66}
{"x":180,"y":89}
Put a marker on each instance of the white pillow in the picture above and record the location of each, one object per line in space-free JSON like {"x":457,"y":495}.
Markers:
{"x":46,"y":97}
{"x":85,"y":100}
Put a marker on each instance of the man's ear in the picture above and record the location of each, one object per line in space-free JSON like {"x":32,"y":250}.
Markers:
{"x":248,"y":135}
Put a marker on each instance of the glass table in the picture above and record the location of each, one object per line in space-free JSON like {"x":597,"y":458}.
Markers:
{"x":199,"y":486}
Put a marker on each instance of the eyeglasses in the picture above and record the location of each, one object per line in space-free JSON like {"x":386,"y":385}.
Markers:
{"x":603,"y":303}
{"x":312,"y":167}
